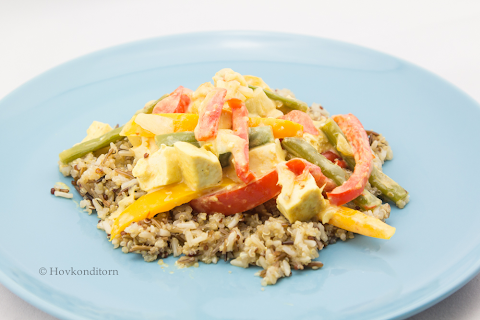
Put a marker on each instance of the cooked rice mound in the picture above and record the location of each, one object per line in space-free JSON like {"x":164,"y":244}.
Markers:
{"x":260,"y":237}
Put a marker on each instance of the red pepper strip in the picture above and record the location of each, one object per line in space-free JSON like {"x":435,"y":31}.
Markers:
{"x":209,"y":117}
{"x":303,"y":119}
{"x":335,"y":158}
{"x":298,"y":166}
{"x":245,"y":197}
{"x":177,"y":102}
{"x":240,"y":199}
{"x":240,"y":128}
{"x":341,"y":163}
{"x":356,"y":135}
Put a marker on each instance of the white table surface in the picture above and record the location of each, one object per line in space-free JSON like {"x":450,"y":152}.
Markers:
{"x":441,"y":36}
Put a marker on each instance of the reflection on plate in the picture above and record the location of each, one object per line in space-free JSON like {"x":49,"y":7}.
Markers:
{"x":428,"y":123}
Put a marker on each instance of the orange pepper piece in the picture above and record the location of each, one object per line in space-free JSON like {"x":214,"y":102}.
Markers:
{"x":281,"y":128}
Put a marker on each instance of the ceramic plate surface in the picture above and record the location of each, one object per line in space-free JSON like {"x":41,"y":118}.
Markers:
{"x":432,"y":127}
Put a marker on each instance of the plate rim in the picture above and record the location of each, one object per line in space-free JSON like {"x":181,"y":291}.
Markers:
{"x":405,"y":311}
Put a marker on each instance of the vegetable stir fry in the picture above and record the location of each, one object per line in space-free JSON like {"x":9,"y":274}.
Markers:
{"x":234,"y":145}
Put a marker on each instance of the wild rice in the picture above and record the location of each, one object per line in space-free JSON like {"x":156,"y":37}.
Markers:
{"x":125,"y":153}
{"x":261,"y":237}
{"x":124,"y":173}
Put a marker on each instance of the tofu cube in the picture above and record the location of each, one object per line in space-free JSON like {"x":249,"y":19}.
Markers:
{"x":302,"y":202}
{"x":200,"y":168}
{"x":159,"y":169}
{"x":263,"y":159}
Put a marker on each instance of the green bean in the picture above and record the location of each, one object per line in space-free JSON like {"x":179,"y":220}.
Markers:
{"x":149,"y":109}
{"x":92,"y":145}
{"x":224,"y":159}
{"x":169,"y":139}
{"x":88,"y":146}
{"x":331,"y":129}
{"x":367,"y":200}
{"x":287,"y":102}
{"x":387,"y":186}
{"x":302,"y":149}
{"x":258,"y":136}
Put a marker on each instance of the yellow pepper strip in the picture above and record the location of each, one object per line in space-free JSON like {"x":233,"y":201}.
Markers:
{"x":356,"y":221}
{"x":281,"y":128}
{"x":131,"y":128}
{"x":181,"y":122}
{"x":162,"y":200}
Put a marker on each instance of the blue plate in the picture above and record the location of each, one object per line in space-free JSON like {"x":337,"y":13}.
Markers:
{"x":431,"y":126}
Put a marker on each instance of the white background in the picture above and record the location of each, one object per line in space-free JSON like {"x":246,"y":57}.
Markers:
{"x":441,"y":36}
